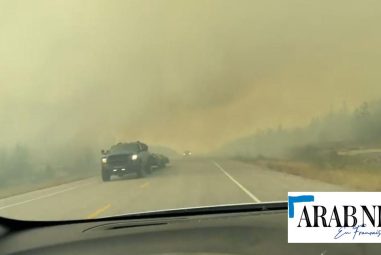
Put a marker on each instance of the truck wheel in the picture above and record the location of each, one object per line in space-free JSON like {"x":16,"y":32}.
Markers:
{"x":141,"y":172}
{"x":105,"y":176}
{"x":160,"y":164}
{"x":149,"y":168}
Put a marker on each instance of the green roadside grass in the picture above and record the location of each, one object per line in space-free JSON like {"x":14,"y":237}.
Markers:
{"x":359,"y":177}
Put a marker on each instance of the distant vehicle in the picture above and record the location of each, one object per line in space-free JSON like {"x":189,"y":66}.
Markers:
{"x":125,"y":158}
{"x":187,"y":153}
{"x":159,"y":160}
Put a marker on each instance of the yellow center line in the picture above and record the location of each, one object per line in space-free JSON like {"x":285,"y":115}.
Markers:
{"x":144,"y":185}
{"x":97,"y":212}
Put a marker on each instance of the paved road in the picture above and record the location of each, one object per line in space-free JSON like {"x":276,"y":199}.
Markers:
{"x":185,"y":183}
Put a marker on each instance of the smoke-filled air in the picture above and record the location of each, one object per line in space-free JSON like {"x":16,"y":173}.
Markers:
{"x":79,"y":76}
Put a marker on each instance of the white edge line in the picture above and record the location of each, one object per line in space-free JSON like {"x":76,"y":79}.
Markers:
{"x":41,"y":197}
{"x":237,"y":183}
{"x":47,"y":189}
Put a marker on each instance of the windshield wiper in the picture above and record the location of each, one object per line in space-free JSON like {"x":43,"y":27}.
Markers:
{"x":13,"y":224}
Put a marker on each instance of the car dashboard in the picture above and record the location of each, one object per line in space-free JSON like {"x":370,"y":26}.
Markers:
{"x":257,"y":232}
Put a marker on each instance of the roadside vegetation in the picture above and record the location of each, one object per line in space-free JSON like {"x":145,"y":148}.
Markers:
{"x":343,"y":147}
{"x":360,"y":177}
{"x":23,"y":169}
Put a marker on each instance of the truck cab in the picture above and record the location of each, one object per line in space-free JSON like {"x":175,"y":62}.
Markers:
{"x":125,"y":158}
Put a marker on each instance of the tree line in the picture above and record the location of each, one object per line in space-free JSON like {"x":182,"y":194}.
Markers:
{"x":319,"y":140}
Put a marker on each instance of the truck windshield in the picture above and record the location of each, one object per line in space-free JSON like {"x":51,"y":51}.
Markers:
{"x":125,"y":147}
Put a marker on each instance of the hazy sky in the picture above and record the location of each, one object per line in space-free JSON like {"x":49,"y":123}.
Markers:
{"x":189,"y":74}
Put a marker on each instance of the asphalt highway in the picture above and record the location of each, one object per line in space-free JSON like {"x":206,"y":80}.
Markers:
{"x":188,"y":182}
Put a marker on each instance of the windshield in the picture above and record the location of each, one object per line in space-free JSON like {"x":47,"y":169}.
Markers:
{"x":126,"y":147}
{"x":231,"y":101}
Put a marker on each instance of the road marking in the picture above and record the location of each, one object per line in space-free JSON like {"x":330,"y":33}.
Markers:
{"x":43,"y":196}
{"x":144,"y":185}
{"x":237,"y":183}
{"x":47,"y":189}
{"x":97,"y":212}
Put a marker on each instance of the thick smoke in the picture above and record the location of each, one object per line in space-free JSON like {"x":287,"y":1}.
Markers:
{"x":186,"y":74}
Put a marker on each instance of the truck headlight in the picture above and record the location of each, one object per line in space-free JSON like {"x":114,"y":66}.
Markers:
{"x":104,"y":160}
{"x":134,"y":157}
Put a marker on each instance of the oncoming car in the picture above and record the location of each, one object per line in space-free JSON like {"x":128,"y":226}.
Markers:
{"x":159,"y":160}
